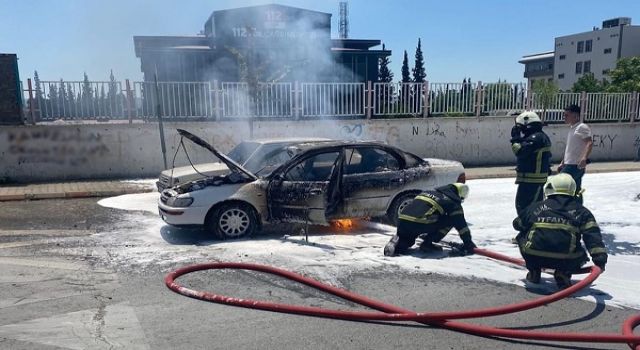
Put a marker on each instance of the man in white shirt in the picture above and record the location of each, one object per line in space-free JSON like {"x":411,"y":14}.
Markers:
{"x":579,"y":146}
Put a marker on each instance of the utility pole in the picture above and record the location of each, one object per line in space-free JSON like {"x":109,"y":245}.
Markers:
{"x":159,"y":114}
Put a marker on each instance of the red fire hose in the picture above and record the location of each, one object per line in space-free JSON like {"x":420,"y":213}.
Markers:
{"x":394,"y":313}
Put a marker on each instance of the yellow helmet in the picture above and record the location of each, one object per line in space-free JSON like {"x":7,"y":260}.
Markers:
{"x":561,"y":184}
{"x":463,"y":190}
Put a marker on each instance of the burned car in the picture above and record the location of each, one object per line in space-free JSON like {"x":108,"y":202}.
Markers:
{"x":252,"y":155}
{"x":319,"y":182}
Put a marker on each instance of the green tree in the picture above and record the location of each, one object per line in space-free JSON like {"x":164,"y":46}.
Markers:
{"x":588,"y":83}
{"x":545,"y":94}
{"x":71,"y":102}
{"x":53,"y":101}
{"x":406,"y":78}
{"x":87,"y":96}
{"x":385,"y":75}
{"x":62,"y":98}
{"x":419,"y":73}
{"x":626,"y":76}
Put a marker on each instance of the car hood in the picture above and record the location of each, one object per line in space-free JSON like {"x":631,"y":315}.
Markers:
{"x":442,"y":162}
{"x":209,"y":169}
{"x":230,"y":163}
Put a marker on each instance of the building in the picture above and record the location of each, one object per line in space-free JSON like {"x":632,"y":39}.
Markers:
{"x":265,"y":43}
{"x":538,"y":67}
{"x":596,"y":51}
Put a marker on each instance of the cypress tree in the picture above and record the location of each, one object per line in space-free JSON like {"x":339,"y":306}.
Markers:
{"x":419,"y":73}
{"x":386,"y":76}
{"x":406,"y":78}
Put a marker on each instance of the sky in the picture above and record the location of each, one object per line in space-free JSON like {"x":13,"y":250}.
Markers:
{"x":482,"y":40}
{"x":333,"y":254}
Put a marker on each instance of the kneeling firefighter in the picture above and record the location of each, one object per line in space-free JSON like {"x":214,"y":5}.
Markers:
{"x":431,"y":215}
{"x":551,"y":232}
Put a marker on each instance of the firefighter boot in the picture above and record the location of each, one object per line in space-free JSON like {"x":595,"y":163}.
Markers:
{"x":533,"y":275}
{"x":391,"y":249}
{"x":563,"y":279}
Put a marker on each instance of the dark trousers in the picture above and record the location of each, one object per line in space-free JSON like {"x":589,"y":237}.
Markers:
{"x":408,"y":231}
{"x":534,"y":262}
{"x":576,"y":173}
{"x":527,"y":194}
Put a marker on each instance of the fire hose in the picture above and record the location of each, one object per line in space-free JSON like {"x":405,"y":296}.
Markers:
{"x":393,"y":313}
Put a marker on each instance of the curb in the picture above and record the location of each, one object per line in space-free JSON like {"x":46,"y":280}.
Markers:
{"x":70,"y":194}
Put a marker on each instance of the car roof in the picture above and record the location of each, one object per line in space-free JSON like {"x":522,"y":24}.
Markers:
{"x":289,"y":140}
{"x":307,"y":146}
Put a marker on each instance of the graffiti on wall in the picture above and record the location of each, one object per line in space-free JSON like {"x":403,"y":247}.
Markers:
{"x":604,"y":141}
{"x":63,"y":147}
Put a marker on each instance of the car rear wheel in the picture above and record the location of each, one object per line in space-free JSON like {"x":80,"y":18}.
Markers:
{"x":233,"y":220}
{"x":398,"y":205}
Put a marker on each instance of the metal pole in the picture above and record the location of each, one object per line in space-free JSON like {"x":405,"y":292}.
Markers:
{"x":33,"y":121}
{"x":425,"y":99}
{"x":159,"y":114}
{"x":369,"y":101}
{"x":129,"y":98}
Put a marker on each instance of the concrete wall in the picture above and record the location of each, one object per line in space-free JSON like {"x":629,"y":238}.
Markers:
{"x":68,"y":152}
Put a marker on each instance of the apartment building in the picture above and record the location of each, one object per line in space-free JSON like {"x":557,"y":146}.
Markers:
{"x":595,"y":51}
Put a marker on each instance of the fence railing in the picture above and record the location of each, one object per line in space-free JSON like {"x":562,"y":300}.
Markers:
{"x":53,"y":100}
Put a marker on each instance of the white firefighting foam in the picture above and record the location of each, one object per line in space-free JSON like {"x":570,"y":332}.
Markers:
{"x":613,"y":198}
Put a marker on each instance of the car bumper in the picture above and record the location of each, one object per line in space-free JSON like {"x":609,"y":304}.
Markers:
{"x":182,"y":216}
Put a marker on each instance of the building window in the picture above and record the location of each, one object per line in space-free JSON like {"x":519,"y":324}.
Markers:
{"x":561,"y":76}
{"x":607,"y":50}
{"x":605,"y":72}
{"x":587,"y":66}
{"x":578,"y":67}
{"x":580,"y":46}
{"x":613,"y":35}
{"x":588,"y":45}
{"x":562,"y":57}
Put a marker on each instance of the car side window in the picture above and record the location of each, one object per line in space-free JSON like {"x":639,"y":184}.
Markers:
{"x":315,"y":168}
{"x":370,"y":160}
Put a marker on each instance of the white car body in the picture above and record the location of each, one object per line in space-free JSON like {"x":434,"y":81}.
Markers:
{"x":349,"y":191}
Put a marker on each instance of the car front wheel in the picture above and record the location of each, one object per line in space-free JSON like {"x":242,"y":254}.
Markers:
{"x":233,"y":220}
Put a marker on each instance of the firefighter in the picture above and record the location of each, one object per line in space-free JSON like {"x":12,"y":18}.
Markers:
{"x":532,"y":148}
{"x":431,"y":215}
{"x":551,"y":232}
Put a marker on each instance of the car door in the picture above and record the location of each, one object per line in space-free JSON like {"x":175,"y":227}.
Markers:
{"x":307,"y":189}
{"x":371,"y":176}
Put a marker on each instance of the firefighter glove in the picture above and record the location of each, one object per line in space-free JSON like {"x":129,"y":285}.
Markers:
{"x":468,"y":246}
{"x":600,"y":260}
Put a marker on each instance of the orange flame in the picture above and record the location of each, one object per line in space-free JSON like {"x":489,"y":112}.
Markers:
{"x":344,"y":224}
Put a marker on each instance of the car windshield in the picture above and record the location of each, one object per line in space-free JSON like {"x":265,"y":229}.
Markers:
{"x":241,"y":153}
{"x":268,"y":157}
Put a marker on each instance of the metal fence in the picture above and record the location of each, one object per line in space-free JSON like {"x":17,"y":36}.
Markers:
{"x":333,"y":99}
{"x":53,"y":100}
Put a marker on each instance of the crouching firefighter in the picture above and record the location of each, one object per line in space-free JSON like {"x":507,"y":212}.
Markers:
{"x":532,"y":148}
{"x":431,"y":215}
{"x":551,"y":232}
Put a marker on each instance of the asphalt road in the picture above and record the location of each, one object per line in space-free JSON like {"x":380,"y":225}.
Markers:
{"x":61,"y":288}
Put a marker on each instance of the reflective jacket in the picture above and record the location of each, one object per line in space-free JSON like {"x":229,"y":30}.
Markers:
{"x":533,"y":154}
{"x":440,"y":209}
{"x":555,"y":227}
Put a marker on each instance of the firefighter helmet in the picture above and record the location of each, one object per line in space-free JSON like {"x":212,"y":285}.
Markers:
{"x":463,"y":190}
{"x":527,"y":117}
{"x":561,"y":184}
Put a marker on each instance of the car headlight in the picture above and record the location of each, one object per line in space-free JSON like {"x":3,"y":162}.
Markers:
{"x":179,"y":202}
